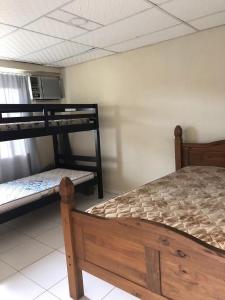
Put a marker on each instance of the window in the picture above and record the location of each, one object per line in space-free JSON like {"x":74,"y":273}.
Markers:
{"x":11,"y":148}
{"x":17,"y":158}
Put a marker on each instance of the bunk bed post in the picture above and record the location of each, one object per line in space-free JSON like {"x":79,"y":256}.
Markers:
{"x":98,"y":156}
{"x":178,"y":147}
{"x":66,"y":191}
{"x":55,"y":146}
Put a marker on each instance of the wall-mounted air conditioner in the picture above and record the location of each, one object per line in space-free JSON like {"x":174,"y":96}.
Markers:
{"x":45,"y":87}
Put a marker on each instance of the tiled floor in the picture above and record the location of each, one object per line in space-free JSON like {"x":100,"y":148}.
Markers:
{"x":32,"y":259}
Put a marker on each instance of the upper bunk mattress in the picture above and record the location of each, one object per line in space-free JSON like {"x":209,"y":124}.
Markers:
{"x":28,"y":189}
{"x":191,"y":200}
{"x":41,"y":124}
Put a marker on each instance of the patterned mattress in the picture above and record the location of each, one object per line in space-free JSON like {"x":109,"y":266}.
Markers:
{"x":191,"y":200}
{"x":22,"y":191}
{"x":41,"y":124}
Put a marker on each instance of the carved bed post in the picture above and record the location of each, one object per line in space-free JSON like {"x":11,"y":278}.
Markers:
{"x":74,"y":273}
{"x":178,"y":147}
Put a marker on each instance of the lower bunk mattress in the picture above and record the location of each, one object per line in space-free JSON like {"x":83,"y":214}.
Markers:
{"x":191,"y":200}
{"x":25,"y":190}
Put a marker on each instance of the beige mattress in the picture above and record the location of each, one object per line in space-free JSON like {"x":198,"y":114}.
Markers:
{"x":41,"y":124}
{"x":191,"y":200}
{"x":28,"y":189}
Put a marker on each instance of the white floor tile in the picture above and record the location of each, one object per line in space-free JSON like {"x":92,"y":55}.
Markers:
{"x":11,"y":239}
{"x":49,"y":212}
{"x":95,"y":288}
{"x":46,"y":296}
{"x":47,"y":271}
{"x":61,"y":290}
{"x":86,"y":201}
{"x":118,"y":294}
{"x":5,"y":270}
{"x":25,"y":254}
{"x":32,"y":224}
{"x":18,"y":287}
{"x":52,"y":238}
{"x":3,"y":229}
{"x":62,"y":250}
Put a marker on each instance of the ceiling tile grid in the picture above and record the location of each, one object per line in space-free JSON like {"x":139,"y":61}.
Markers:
{"x":191,"y":9}
{"x":22,"y":42}
{"x":140,"y":24}
{"x":153,"y":38}
{"x":61,"y":15}
{"x":57,"y":52}
{"x":106,"y":11}
{"x":90,"y":55}
{"x":5,"y":29}
{"x":209,"y":21}
{"x":69,"y":18}
{"x":66,"y":31}
{"x":55,"y":28}
{"x":21,"y":12}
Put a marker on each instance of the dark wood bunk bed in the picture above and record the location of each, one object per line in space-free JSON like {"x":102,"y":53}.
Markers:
{"x":37,"y":120}
{"x":155,"y":257}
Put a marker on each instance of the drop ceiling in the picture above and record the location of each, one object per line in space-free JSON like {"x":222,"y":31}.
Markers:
{"x":63,"y":33}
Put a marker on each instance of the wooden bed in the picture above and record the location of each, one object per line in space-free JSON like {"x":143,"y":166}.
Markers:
{"x":147,"y":259}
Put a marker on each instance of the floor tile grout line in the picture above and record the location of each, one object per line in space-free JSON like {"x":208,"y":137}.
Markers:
{"x":32,"y":238}
{"x":27,"y":277}
{"x":31,"y":263}
{"x":52,"y":286}
{"x":108,"y":293}
{"x":53,"y":294}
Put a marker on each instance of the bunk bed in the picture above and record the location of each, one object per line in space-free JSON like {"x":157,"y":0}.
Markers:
{"x":21,"y":121}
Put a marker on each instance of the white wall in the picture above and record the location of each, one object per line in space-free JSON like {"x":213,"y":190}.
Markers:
{"x":143,"y":94}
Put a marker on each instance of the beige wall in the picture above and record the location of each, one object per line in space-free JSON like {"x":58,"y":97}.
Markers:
{"x":44,"y":144}
{"x":143,"y":94}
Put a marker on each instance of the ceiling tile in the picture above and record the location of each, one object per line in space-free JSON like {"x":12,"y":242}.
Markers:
{"x":84,"y":23}
{"x":75,"y":20}
{"x":160,"y":1}
{"x":106,"y":11}
{"x":55,"y":28}
{"x":140,"y":24}
{"x":22,"y":42}
{"x":209,"y":21}
{"x":61,"y":15}
{"x":90,"y":55}
{"x":56,"y":52}
{"x":153,"y":38}
{"x":21,"y":12}
{"x":5,"y":29}
{"x":192,"y":9}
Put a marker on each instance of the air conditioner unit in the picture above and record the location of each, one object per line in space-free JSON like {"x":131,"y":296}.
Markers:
{"x":45,"y":87}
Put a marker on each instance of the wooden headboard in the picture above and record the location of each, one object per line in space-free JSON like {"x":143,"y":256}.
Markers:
{"x":195,"y":154}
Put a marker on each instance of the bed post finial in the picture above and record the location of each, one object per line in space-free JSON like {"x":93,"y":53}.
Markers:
{"x":178,"y":146}
{"x":66,"y":190}
{"x":178,"y":131}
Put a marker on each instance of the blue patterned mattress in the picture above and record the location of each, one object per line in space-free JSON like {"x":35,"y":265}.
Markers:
{"x":25,"y":190}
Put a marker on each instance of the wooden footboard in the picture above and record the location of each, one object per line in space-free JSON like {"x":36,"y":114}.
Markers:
{"x":149,"y":260}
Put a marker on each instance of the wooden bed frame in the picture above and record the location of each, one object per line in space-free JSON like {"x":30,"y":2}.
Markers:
{"x":152,"y":261}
